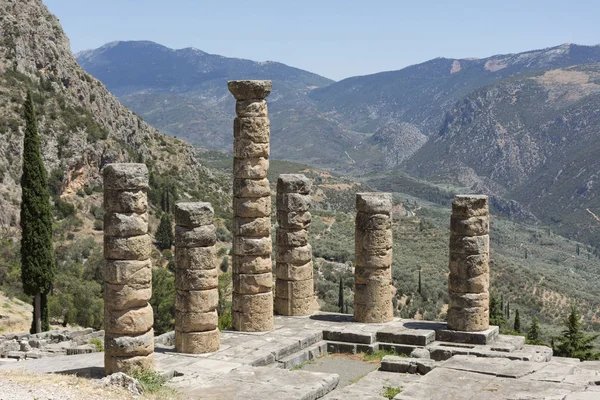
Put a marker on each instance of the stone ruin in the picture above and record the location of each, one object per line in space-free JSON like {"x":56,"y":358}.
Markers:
{"x":128,"y":316}
{"x":252,"y":303}
{"x":196,"y":279}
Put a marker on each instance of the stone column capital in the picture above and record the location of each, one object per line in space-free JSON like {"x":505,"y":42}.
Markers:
{"x":249,"y":89}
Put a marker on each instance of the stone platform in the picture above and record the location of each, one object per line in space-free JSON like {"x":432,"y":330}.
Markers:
{"x":256,"y":365}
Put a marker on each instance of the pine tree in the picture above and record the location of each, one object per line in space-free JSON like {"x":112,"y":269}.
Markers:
{"x":575,"y":343}
{"x":341,"y":296}
{"x":533,"y":333}
{"x":164,"y":232}
{"x":517,"y":325}
{"x":37,"y":251}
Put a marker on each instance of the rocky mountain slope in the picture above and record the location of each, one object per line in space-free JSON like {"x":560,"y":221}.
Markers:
{"x":532,"y":138}
{"x":82,"y":125}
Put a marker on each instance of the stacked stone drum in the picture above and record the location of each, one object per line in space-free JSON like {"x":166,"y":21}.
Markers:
{"x":252,"y":306}
{"x":294,"y":268}
{"x":128,"y":317}
{"x":196,"y":279}
{"x":373,"y":254}
{"x":468,"y":281}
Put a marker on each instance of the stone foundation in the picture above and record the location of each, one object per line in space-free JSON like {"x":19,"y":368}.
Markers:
{"x":128,"y":317}
{"x":469,"y":278}
{"x":196,"y":279}
{"x":373,"y":254}
{"x":252,"y":275}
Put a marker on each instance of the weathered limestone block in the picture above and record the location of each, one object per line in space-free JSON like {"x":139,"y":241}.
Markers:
{"x":293,"y":183}
{"x":128,"y":247}
{"x":468,"y":281}
{"x":121,"y":224}
{"x":373,"y":241}
{"x":196,"y":321}
{"x":294,"y":220}
{"x":252,"y":264}
{"x":294,"y":202}
{"x":125,"y":176}
{"x":291,"y":272}
{"x":252,"y":246}
{"x":470,"y":205}
{"x":131,"y":272}
{"x":197,"y":342}
{"x":200,"y":236}
{"x":133,"y":321}
{"x":251,"y":188}
{"x":369,"y":222}
{"x":295,"y":289}
{"x":252,"y":207}
{"x":374,"y":258}
{"x":196,"y":279}
{"x":251,"y":108}
{"x":114,"y":364}
{"x":292,"y":238}
{"x":122,"y":297}
{"x":246,"y":148}
{"x":193,"y":214}
{"x":196,"y":258}
{"x":294,"y":255}
{"x":374,"y":203}
{"x":196,"y":300}
{"x":470,"y":226}
{"x":253,"y":322}
{"x":128,"y":201}
{"x":299,"y":306}
{"x":255,"y":129}
{"x":252,"y":304}
{"x":252,"y":283}
{"x":141,"y":345}
{"x":363,"y":275}
{"x":251,"y":226}
{"x":250,"y":168}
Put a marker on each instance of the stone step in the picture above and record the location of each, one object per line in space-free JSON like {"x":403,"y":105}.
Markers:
{"x":351,"y":348}
{"x":307,"y":354}
{"x":335,"y":335}
{"x":419,"y":337}
{"x":407,"y":365}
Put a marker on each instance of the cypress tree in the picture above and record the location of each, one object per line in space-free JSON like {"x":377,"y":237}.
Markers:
{"x":37,"y":250}
{"x":420,"y":280}
{"x":517,"y":326}
{"x":164,"y":232}
{"x":341,"y":296}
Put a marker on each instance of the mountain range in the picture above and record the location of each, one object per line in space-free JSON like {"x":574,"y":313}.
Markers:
{"x":516,"y":126}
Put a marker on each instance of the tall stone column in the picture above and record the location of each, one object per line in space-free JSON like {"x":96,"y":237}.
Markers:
{"x":468,"y":281}
{"x":373,"y":254}
{"x":196,"y":279}
{"x":252,"y":308}
{"x":128,"y":317}
{"x":294,"y":287}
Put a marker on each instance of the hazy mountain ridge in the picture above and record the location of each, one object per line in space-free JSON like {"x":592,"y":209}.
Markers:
{"x":534,"y":138}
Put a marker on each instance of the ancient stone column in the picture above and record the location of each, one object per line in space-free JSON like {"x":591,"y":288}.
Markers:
{"x":294,"y":287}
{"x":252,"y":308}
{"x":128,"y":317}
{"x":196,"y":279}
{"x":373,"y":258}
{"x":468,"y":281}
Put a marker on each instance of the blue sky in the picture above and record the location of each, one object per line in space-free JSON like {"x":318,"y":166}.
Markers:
{"x":334,"y":38}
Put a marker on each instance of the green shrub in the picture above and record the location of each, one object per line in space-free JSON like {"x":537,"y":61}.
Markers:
{"x":98,"y":344}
